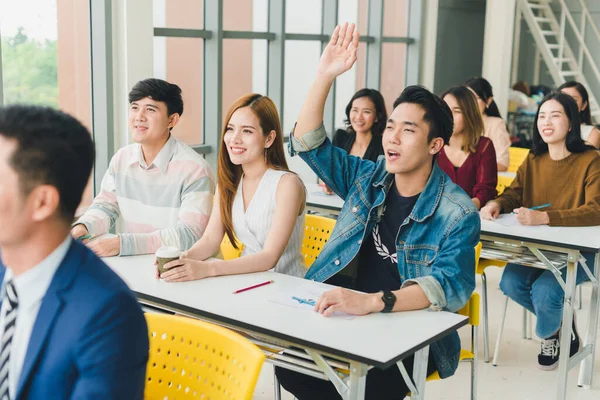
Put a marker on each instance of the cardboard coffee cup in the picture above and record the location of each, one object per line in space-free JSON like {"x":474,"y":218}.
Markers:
{"x":165,"y":255}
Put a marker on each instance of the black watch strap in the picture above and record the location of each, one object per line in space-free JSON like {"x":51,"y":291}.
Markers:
{"x":389,"y":300}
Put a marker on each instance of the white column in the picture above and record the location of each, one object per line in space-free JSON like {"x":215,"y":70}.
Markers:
{"x":133,"y":57}
{"x":497,"y":48}
{"x":429,"y":42}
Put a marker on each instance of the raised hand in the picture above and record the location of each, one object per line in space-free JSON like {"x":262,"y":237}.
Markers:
{"x":340,"y":54}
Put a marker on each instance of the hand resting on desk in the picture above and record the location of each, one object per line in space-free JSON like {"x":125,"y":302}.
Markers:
{"x":186,"y":269}
{"x":525,"y":216}
{"x":349,"y":302}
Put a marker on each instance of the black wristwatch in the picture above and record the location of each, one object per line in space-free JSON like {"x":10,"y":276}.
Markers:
{"x":389,"y":299}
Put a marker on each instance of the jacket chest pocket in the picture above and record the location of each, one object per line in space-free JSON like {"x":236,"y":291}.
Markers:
{"x":420,"y":258}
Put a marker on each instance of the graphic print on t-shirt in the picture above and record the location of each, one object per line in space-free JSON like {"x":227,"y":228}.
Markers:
{"x":381,"y":248}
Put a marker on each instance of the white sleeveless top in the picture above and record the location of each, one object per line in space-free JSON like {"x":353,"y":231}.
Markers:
{"x":586,"y":130}
{"x":252,"y":227}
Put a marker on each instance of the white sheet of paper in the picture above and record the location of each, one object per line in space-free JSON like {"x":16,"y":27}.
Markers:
{"x":507,"y":220}
{"x":307,"y":293}
{"x":511,"y":220}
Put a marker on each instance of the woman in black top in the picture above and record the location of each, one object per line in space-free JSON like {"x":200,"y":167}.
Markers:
{"x":366,"y":118}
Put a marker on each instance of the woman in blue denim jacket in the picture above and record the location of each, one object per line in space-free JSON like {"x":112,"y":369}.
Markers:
{"x":433,"y":224}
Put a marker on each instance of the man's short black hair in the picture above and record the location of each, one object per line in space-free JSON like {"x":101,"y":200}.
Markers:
{"x":53,"y":148}
{"x":437,"y":113}
{"x":159,"y":90}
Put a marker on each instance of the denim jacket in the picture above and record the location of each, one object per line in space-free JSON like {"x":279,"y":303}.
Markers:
{"x":435,"y":243}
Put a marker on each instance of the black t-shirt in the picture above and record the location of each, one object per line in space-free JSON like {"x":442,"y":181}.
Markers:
{"x":378,"y":262}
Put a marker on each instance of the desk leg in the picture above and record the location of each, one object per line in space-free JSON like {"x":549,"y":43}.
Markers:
{"x":420,"y":373}
{"x":358,"y":381}
{"x":567,"y":325}
{"x":586,"y":371}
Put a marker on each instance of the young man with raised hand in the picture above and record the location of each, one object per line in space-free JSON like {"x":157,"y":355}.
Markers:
{"x":409,"y":231}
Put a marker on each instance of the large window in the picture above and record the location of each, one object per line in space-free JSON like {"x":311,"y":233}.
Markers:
{"x":45,"y":53}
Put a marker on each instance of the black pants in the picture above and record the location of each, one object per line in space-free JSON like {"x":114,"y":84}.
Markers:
{"x":382,"y":384}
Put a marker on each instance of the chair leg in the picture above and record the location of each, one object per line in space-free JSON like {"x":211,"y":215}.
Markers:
{"x":580,"y":297}
{"x":529,"y":323}
{"x":474,"y":348}
{"x":276,"y":386}
{"x":486,"y":332}
{"x":499,"y":337}
{"x":524,"y":325}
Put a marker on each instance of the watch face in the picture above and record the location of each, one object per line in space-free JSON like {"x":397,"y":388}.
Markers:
{"x":389,"y":299}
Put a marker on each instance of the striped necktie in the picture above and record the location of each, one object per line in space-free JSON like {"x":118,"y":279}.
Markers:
{"x":9,"y":329}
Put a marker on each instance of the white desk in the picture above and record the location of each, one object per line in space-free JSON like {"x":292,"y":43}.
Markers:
{"x":507,"y":174}
{"x":548,"y":247}
{"x":322,"y":344}
{"x":318,"y":201}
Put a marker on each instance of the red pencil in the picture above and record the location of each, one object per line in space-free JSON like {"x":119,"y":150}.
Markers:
{"x":252,"y":287}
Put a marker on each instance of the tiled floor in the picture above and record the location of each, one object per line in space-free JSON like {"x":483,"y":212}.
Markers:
{"x":516,"y":376}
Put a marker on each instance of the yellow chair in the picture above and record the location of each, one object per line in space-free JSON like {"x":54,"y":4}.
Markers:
{"x":503,"y":183}
{"x":229,"y":252}
{"x":471,"y":310}
{"x":481,"y":266}
{"x":317,"y":230}
{"x":195,"y":359}
{"x":516,"y":157}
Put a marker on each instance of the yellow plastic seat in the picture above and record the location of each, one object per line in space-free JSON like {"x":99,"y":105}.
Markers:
{"x":317,"y":230}
{"x":503,"y":183}
{"x":229,"y":252}
{"x":192,"y":359}
{"x":471,"y":310}
{"x":516,"y":157}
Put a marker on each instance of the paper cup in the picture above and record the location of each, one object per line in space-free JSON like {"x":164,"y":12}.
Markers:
{"x":165,"y":255}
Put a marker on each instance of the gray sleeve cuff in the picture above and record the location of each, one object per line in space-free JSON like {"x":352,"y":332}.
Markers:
{"x":127,"y":244}
{"x":309,"y":141}
{"x":432,"y":289}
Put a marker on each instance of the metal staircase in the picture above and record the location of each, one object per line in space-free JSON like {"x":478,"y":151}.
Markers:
{"x":549,"y":35}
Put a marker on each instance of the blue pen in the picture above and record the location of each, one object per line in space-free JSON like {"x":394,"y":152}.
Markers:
{"x":304,"y":301}
{"x":538,"y":207}
{"x":80,"y":238}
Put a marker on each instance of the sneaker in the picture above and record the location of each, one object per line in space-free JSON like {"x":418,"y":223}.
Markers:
{"x":550,"y":349}
{"x":549,"y":353}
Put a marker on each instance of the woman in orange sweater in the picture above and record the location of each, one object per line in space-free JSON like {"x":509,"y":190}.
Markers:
{"x":564,"y":171}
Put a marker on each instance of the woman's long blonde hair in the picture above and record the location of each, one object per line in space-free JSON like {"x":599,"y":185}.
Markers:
{"x":229,"y":174}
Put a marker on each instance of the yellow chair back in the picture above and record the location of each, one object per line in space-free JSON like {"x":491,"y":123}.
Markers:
{"x":229,"y":252}
{"x":317,"y":230}
{"x":195,"y":359}
{"x":503,"y":183}
{"x":517,"y":155}
{"x":471,"y":309}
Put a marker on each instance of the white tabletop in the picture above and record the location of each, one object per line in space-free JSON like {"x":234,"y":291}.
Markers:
{"x":375,"y":339}
{"x":317,"y":198}
{"x":507,"y":174}
{"x":578,"y":238}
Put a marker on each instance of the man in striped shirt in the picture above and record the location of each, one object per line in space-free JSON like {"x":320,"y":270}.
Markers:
{"x":162,"y":188}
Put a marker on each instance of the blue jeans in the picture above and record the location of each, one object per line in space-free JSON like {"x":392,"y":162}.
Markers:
{"x":538,"y":291}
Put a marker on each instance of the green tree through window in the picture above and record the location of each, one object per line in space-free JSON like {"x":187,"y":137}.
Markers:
{"x":30,"y":70}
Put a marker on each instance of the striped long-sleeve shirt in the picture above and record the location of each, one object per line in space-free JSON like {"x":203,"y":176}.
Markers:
{"x":166,"y":203}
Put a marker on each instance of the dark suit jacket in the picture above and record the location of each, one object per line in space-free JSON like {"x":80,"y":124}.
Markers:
{"x":90,"y":339}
